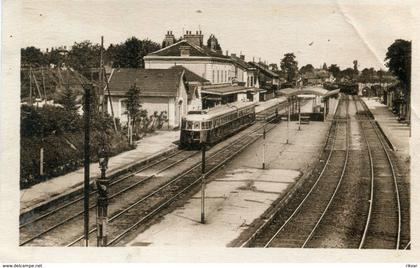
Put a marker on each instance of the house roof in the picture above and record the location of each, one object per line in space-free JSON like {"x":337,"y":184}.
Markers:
{"x":190,"y":76}
{"x":241,"y":63}
{"x":151,"y":82}
{"x":266,"y":71}
{"x":175,"y":51}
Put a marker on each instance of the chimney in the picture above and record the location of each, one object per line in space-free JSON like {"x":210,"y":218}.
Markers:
{"x":227,"y":52}
{"x":196,"y":39}
{"x":253,"y":59}
{"x":233,"y":55}
{"x":242,"y":57}
{"x":169,"y":38}
{"x":47,"y":50}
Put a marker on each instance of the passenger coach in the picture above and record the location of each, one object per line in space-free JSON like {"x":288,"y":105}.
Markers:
{"x":216,"y":123}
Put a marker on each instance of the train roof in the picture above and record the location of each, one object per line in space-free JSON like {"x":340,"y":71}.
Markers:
{"x":218,"y":110}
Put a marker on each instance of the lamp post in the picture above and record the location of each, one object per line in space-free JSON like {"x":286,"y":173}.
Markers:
{"x":203,"y":137}
{"x":102,"y":205}
{"x":263,"y":156}
{"x":288,"y":119}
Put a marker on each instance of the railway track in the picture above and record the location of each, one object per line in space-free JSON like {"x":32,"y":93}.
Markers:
{"x":45,"y":229}
{"x":72,"y":210}
{"x":128,"y":220}
{"x":345,"y":207}
{"x":383,"y":218}
{"x":295,"y":226}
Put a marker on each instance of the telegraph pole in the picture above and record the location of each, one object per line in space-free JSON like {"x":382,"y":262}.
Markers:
{"x":299,"y":110}
{"x":203,"y":182}
{"x":86,"y":162}
{"x":288,"y":119}
{"x":263,"y":162}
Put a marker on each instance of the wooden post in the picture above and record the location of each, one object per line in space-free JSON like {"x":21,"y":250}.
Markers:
{"x":30,"y":85}
{"x":43,"y":85}
{"x":86,"y":189}
{"x":263,"y":156}
{"x":203,"y":184}
{"x":41,"y":161}
{"x":299,"y":110}
{"x":288,"y":120}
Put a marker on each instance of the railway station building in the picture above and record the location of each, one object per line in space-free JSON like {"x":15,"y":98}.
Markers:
{"x":205,"y":60}
{"x":214,"y":95}
{"x":268,"y":80}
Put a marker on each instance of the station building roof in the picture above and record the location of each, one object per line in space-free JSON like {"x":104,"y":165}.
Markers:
{"x":225,"y":89}
{"x":317,"y":91}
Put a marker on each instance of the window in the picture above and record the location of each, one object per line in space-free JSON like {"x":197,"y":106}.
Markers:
{"x":217,"y":76}
{"x":189,"y":125}
{"x":226,"y":76}
{"x":212,"y":77}
{"x":196,"y":125}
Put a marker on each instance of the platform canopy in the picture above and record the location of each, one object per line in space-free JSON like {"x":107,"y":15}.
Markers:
{"x":317,"y":91}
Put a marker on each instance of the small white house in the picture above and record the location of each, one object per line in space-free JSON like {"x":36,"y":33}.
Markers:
{"x":161,"y":90}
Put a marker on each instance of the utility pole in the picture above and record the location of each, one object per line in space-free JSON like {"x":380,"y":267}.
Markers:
{"x":299,"y":109}
{"x":101,"y":73}
{"x":30,"y":85}
{"x":86,"y":189}
{"x":288,"y":119}
{"x":203,"y":179}
{"x":102,"y":201}
{"x":263,"y":156}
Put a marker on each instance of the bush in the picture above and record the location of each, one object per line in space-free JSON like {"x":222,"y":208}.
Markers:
{"x":61,"y":135}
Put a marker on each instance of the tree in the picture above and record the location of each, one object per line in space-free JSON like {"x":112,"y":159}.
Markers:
{"x":133,"y":106}
{"x":324,"y":67}
{"x":55,"y":57}
{"x":83,"y":56}
{"x":334,"y":69}
{"x":308,"y":68}
{"x":67,"y":98}
{"x":355,"y":67}
{"x":130,"y":53}
{"x":273,"y":67}
{"x":290,"y":66}
{"x":348,"y":73}
{"x":32,"y":56}
{"x":367,"y":75}
{"x":398,"y":60}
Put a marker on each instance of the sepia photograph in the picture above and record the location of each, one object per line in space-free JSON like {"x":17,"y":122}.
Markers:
{"x":214,"y":124}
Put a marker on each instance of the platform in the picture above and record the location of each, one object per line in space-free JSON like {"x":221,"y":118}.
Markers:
{"x":148,"y":147}
{"x":240,"y":192}
{"x":396,"y":132}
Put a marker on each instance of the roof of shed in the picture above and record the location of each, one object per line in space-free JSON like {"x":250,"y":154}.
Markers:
{"x":318,"y":91}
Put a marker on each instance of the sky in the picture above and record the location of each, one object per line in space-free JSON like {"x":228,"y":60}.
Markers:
{"x":335,"y":32}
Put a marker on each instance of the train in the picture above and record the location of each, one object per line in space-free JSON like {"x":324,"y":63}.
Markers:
{"x":210,"y":126}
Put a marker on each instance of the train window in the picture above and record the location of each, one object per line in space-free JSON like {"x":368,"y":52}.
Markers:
{"x":189,"y":125}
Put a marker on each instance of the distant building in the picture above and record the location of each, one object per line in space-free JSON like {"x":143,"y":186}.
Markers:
{"x":245,"y":72}
{"x":317,"y":77}
{"x":205,"y":60}
{"x":214,"y":95}
{"x":161,"y":90}
{"x":194,"y":85}
{"x":269,"y":81}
